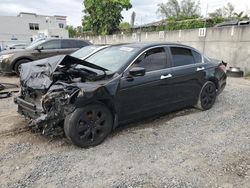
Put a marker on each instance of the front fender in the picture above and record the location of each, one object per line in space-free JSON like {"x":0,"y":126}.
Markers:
{"x":18,"y":59}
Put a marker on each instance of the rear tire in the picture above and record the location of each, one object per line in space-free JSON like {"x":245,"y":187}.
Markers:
{"x":88,"y":126}
{"x":207,"y":96}
{"x":18,"y":63}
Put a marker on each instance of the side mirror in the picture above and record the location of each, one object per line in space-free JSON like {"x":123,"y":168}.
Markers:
{"x":39,"y":48}
{"x":137,"y":71}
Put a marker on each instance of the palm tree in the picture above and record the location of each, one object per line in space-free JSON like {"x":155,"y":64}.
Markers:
{"x":240,"y":15}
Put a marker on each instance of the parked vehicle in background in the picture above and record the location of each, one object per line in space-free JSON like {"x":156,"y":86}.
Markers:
{"x":233,"y":23}
{"x":16,"y":46}
{"x":235,"y":72}
{"x":10,"y":60}
{"x":116,"y":85}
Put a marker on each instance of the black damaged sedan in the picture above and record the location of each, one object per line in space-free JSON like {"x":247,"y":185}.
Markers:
{"x":116,"y":85}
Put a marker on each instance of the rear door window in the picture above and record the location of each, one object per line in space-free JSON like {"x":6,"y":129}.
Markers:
{"x":81,"y":44}
{"x":69,"y":44}
{"x":52,"y":44}
{"x":73,"y":44}
{"x":182,"y":56}
{"x":153,"y":59}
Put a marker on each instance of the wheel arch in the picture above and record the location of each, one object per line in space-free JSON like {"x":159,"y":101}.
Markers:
{"x":109,"y":103}
{"x":199,"y":102}
{"x":111,"y":106}
{"x":19,"y":59}
{"x":215,"y":81}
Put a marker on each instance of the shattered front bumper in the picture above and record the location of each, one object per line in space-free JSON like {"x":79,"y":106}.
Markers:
{"x":27,"y":109}
{"x":47,"y":123}
{"x":47,"y":112}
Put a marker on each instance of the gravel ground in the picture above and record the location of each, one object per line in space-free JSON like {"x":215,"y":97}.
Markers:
{"x":188,"y":148}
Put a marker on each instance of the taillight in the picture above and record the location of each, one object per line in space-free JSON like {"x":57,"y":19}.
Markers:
{"x":223,"y":66}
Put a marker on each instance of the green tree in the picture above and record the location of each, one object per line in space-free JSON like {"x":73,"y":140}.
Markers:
{"x":228,"y":10}
{"x":224,"y":12}
{"x":71,"y":30}
{"x":104,"y":16}
{"x":190,"y":9}
{"x":79,"y":30}
{"x":240,"y":15}
{"x":185,"y":9}
{"x":169,"y":9}
{"x":124,"y":26}
{"x":218,"y":13}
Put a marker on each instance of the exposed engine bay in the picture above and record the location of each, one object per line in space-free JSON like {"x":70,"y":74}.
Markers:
{"x":51,"y":87}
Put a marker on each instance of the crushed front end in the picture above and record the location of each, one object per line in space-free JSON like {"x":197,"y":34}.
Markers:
{"x":47,"y":111}
{"x":49,"y":90}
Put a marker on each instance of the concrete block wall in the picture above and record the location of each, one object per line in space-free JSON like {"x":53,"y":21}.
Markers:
{"x":231,"y":44}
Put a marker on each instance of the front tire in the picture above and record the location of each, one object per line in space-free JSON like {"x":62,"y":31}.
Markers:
{"x":207,"y":96}
{"x":18,"y":64}
{"x":88,"y":126}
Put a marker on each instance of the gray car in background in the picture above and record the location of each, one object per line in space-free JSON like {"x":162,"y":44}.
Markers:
{"x":10,"y":60}
{"x":16,"y":46}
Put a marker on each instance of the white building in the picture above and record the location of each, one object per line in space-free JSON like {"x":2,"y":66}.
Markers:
{"x":23,"y":27}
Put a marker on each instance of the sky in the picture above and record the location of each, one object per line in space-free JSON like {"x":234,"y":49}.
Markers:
{"x":145,"y":9}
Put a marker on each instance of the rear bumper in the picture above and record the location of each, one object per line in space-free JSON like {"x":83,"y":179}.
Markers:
{"x":222,"y":82}
{"x":222,"y":87}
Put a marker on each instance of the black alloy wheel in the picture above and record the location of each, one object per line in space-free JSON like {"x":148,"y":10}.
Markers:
{"x":89,"y":126}
{"x":207,"y":96}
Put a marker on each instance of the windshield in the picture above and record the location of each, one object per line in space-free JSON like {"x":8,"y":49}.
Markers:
{"x":83,"y":52}
{"x":112,"y":58}
{"x":35,"y":44}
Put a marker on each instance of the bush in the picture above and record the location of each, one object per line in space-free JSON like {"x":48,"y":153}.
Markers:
{"x":192,"y":24}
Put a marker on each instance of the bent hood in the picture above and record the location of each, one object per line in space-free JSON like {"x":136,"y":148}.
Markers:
{"x":38,"y":74}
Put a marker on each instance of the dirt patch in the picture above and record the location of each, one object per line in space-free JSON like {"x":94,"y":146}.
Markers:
{"x":240,"y":167}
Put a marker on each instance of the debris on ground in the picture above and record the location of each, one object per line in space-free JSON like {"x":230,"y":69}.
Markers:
{"x":6,"y":90}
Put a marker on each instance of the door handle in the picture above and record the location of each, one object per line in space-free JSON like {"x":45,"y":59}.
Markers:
{"x":200,"y":68}
{"x":163,"y":77}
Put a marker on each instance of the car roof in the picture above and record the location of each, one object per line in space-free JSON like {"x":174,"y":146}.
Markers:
{"x":144,"y":45}
{"x":17,"y":44}
{"x":48,"y":39}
